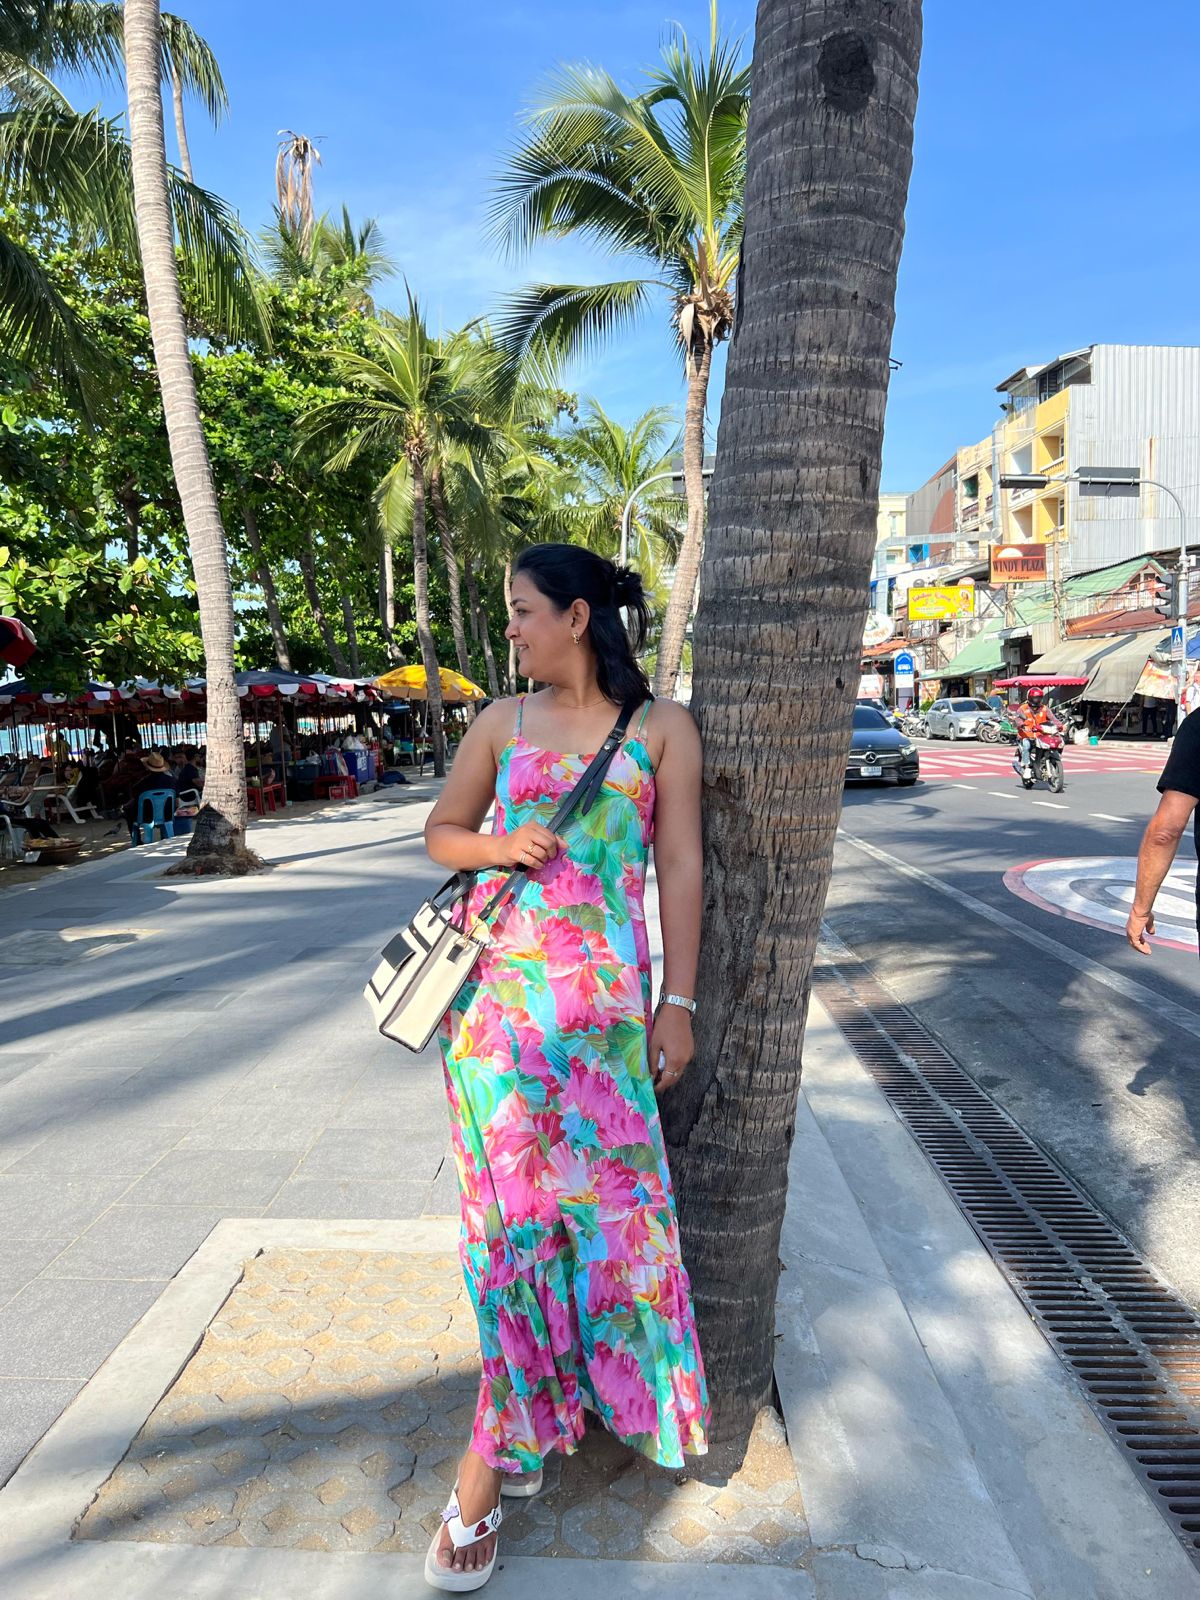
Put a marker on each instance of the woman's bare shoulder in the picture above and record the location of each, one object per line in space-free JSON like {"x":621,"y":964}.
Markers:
{"x":670,"y":727}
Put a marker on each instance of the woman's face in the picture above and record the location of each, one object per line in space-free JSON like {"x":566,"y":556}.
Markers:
{"x":541,"y":633}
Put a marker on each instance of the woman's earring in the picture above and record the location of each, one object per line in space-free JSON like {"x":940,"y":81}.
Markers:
{"x":574,"y":636}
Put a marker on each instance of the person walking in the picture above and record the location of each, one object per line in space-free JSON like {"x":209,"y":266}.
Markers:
{"x":553,"y":1058}
{"x":1179,"y":787}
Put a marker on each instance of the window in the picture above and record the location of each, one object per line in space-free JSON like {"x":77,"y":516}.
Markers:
{"x":867,"y":717}
{"x":1049,"y":383}
{"x":970,"y":486}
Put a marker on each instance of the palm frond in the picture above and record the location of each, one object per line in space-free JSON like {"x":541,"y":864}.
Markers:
{"x":37,"y":326}
{"x":568,"y":320}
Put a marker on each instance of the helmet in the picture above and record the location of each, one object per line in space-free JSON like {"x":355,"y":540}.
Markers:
{"x":1036,"y":696}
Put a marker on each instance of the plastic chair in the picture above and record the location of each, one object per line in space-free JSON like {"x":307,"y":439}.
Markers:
{"x":155,"y":809}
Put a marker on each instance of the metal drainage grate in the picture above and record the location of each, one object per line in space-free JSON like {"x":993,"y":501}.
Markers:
{"x":1130,"y":1341}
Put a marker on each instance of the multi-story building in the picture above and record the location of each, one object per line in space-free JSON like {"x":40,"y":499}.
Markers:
{"x":1108,"y":405}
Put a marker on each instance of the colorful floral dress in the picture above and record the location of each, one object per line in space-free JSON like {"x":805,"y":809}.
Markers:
{"x":570,"y":1244}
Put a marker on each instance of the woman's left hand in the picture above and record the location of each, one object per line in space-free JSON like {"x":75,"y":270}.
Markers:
{"x":671,"y":1038}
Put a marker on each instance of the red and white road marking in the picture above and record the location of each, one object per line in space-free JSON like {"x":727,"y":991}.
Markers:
{"x":961,"y":761}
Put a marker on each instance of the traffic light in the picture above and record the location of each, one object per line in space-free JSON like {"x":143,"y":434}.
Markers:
{"x":1166,"y":595}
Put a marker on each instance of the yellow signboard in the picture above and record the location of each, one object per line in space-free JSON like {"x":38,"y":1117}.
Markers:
{"x":936,"y":603}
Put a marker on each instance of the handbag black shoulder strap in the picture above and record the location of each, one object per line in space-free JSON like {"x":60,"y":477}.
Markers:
{"x":582,"y":797}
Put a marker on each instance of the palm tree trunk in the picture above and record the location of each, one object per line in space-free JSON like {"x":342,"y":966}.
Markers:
{"x":131,"y":506}
{"x":185,"y":155}
{"x":433,"y":683}
{"x":687,"y":568}
{"x":267,"y":584}
{"x":437,"y":500}
{"x":483,"y":633}
{"x":220,"y":830}
{"x":512,"y":649}
{"x":387,"y":599}
{"x":779,"y":633}
{"x":351,"y":630}
{"x":308,"y":571}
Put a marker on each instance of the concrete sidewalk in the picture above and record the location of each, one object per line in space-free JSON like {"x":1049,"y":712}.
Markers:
{"x":213,"y":1176}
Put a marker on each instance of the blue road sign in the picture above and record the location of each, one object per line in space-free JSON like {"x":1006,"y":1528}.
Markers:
{"x":1177,"y":642}
{"x":904,"y":666}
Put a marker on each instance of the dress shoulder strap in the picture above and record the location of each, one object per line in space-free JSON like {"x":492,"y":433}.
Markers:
{"x":645,"y":714}
{"x":520,"y":714}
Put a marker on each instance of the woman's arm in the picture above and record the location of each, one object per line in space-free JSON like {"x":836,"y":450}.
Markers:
{"x":452,"y":835}
{"x":679,"y":868}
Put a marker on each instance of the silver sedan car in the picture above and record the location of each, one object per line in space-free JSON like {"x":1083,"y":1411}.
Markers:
{"x":955,"y":719}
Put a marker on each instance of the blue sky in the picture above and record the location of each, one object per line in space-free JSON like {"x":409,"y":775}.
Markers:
{"x":1053,"y":201}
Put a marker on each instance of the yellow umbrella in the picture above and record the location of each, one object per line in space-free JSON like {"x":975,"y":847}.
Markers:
{"x":411,"y":683}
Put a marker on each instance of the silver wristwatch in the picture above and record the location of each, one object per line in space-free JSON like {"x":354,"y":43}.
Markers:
{"x":677,"y":1000}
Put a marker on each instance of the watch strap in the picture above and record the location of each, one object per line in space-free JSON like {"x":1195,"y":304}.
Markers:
{"x":677,"y":1000}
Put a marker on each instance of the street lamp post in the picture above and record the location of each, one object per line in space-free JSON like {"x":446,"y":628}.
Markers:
{"x":1121,"y":481}
{"x":655,"y":477}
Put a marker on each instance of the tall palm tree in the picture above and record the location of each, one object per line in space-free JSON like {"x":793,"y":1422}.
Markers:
{"x":657,"y":175}
{"x":408,"y":397}
{"x":354,"y":252}
{"x":779,"y":631}
{"x":218,"y":842}
{"x":73,"y":167}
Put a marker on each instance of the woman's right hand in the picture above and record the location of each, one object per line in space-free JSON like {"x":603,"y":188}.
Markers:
{"x":530,"y":846}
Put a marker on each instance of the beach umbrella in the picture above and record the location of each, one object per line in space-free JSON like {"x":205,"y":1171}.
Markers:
{"x":17,"y":643}
{"x":412,"y":684}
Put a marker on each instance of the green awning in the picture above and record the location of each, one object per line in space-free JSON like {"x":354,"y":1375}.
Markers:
{"x":979,"y":656}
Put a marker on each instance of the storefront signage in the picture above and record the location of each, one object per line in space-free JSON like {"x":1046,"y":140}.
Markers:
{"x":936,"y":603}
{"x":1018,"y":563}
{"x":877,"y":630}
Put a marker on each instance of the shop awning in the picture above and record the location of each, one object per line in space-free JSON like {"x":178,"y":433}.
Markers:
{"x":1077,"y":655}
{"x":1115,"y":675}
{"x":981,"y":655}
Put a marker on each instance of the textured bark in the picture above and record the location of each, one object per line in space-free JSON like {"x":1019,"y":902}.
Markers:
{"x":479,"y":618}
{"x":791,"y":535}
{"x":266,"y":583}
{"x":687,"y":568}
{"x":429,"y":660}
{"x":450,"y":555}
{"x":222,"y":837}
{"x":308,"y":571}
{"x":387,"y":600}
{"x":185,"y":155}
{"x":351,"y":630}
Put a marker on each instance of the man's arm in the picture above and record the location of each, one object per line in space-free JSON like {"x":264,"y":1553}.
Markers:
{"x":1159,"y":844}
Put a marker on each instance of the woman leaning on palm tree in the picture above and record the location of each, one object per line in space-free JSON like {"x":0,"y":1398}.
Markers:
{"x":553,"y":1058}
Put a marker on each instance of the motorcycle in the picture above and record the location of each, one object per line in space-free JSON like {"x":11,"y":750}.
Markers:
{"x":914,"y":725}
{"x":995,"y":729}
{"x":1045,"y":762}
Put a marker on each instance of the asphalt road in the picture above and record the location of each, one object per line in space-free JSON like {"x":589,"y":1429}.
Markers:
{"x":1029,"y":982}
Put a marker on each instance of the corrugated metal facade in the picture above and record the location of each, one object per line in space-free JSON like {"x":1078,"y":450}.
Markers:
{"x":1141,"y":409}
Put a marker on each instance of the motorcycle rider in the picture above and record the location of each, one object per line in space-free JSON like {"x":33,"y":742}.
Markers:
{"x":1032,"y":716}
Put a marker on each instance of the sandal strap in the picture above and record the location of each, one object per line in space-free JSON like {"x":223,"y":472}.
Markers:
{"x":462,"y":1533}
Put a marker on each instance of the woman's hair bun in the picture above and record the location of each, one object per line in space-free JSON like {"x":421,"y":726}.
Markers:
{"x":627,"y":586}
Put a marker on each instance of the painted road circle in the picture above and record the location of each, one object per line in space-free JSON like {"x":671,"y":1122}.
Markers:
{"x":1098,"y":890}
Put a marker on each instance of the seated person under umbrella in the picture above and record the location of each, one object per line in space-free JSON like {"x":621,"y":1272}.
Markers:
{"x":157,"y":775}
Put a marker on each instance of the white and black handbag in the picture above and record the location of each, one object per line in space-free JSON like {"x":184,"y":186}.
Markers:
{"x":422,"y":970}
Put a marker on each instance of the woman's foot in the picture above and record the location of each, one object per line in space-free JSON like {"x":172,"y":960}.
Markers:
{"x":478,"y":1493}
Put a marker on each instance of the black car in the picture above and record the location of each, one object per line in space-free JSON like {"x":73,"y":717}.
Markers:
{"x":879,"y":751}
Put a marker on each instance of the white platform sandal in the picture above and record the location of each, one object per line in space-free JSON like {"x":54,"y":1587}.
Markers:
{"x":521,"y":1485}
{"x":440,"y":1577}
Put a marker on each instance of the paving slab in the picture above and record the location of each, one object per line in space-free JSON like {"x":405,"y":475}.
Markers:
{"x":232,"y":1179}
{"x":29,"y":1406}
{"x":136,"y":1241}
{"x":64,"y":1328}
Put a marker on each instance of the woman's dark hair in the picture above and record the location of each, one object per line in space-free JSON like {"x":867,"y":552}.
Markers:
{"x":567,"y":572}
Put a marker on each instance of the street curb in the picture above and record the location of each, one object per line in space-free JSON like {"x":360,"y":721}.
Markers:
{"x":936,"y":1435}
